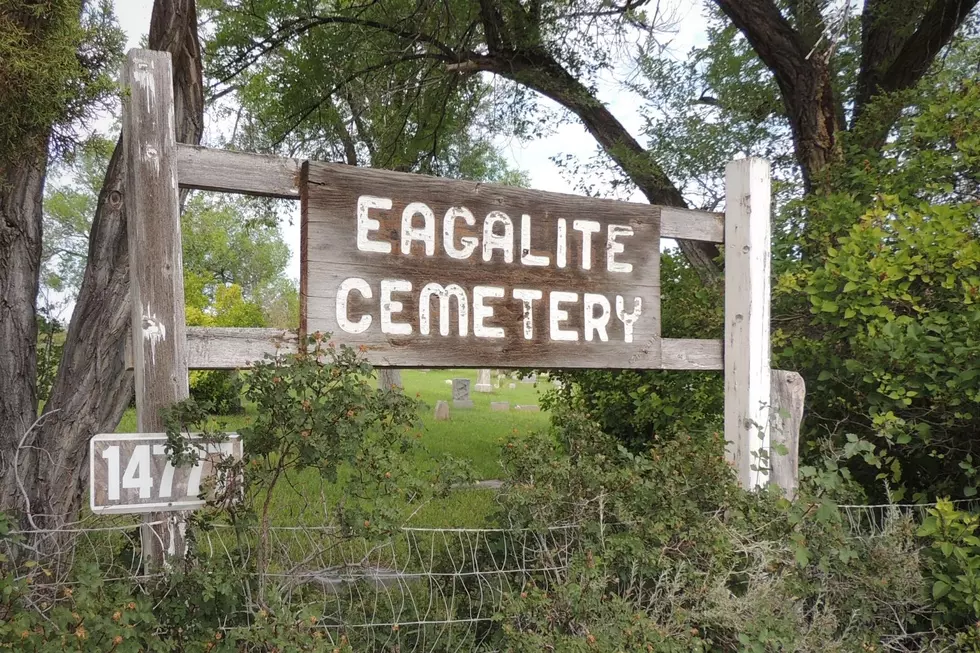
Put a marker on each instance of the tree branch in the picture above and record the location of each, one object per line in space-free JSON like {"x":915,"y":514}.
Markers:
{"x":892,"y":61}
{"x":539,"y":71}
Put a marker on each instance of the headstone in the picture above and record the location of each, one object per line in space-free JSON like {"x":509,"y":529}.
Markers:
{"x":442,"y":411}
{"x":530,"y":378}
{"x":449,"y":381}
{"x":461,"y":393}
{"x":512,"y":386}
{"x":530,"y":408}
{"x":557,"y":383}
{"x":499,"y":406}
{"x":483,"y":381}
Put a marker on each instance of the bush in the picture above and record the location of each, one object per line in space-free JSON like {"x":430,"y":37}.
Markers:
{"x":674,"y":556}
{"x":219,"y":390}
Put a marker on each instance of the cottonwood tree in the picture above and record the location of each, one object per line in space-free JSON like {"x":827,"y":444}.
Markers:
{"x":556,"y":49}
{"x":93,"y":386}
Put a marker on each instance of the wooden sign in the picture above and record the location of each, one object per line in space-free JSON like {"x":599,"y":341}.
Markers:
{"x":424,"y":271}
{"x":130,"y":472}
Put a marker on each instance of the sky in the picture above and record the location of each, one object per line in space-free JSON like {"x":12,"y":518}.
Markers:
{"x":533,"y":156}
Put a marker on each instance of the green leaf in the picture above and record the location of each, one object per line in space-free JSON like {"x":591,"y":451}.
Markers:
{"x":939,"y":590}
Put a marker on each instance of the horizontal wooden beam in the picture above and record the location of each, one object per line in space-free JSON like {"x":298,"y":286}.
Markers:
{"x":686,"y":224}
{"x":225,"y":348}
{"x":220,"y":348}
{"x":201,"y":168}
{"x":688,"y":354}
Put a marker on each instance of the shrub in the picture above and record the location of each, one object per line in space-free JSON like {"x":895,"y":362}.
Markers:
{"x":674,"y":556}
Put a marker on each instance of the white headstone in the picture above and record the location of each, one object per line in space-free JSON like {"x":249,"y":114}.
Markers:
{"x":483,"y":381}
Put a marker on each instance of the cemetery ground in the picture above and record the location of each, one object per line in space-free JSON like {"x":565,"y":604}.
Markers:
{"x":475,"y":435}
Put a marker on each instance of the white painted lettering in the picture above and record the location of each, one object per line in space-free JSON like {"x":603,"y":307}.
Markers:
{"x":628,"y":319}
{"x":482,"y":312}
{"x":561,"y":248}
{"x":587,"y":228}
{"x":594,"y":323}
{"x":343,"y":292}
{"x":527,"y":258}
{"x":366,"y":224}
{"x":390,"y":307}
{"x":528,"y":297}
{"x":614,"y":247}
{"x":426,"y":234}
{"x":444,"y":293}
{"x":468,"y":243}
{"x":558,"y":315}
{"x":492,"y":240}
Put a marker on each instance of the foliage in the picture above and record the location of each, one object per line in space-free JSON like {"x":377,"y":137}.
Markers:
{"x":343,"y":91}
{"x":319,"y":411}
{"x":885,"y":318}
{"x":673,"y":556}
{"x":953,"y":562}
{"x":58,"y":60}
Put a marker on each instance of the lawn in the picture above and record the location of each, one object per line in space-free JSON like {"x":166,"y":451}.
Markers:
{"x":475,"y":434}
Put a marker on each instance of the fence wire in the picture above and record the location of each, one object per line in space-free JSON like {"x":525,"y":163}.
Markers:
{"x":419,"y":589}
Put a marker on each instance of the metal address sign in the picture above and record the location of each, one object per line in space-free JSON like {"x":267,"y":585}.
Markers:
{"x":130,"y":472}
{"x":423,"y":271}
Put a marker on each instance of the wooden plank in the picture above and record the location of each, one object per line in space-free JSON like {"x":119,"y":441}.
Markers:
{"x":685,"y":354}
{"x":155,"y":262}
{"x":786,"y":418}
{"x":692,"y":225}
{"x":364,"y":264}
{"x":747,"y":292}
{"x":202,"y":168}
{"x":223,"y":348}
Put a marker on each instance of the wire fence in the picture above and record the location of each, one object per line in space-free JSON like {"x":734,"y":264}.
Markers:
{"x":417,"y":589}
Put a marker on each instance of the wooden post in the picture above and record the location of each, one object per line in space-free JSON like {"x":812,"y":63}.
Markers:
{"x":747,"y":286}
{"x":155,"y":263}
{"x":785,"y":418}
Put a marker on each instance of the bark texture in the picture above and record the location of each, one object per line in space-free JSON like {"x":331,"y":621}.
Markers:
{"x":21,"y":186}
{"x":900,"y":39}
{"x":93,"y":387}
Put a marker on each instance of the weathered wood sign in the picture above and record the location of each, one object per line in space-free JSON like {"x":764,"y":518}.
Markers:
{"x":130,"y":472}
{"x":424,"y":271}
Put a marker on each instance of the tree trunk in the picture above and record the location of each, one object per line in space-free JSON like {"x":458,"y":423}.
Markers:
{"x":21,"y":187}
{"x":93,"y":386}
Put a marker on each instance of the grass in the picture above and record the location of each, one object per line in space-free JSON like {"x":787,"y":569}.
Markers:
{"x":475,"y":434}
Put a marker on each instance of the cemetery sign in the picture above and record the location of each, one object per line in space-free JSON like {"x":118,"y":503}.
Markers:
{"x":424,"y":271}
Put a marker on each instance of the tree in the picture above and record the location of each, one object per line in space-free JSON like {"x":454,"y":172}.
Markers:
{"x":55,"y":58}
{"x":556,"y":49}
{"x":92,"y":387}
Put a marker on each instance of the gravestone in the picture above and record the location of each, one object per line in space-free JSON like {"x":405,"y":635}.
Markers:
{"x":483,"y":381}
{"x":530,"y":378}
{"x":530,"y":408}
{"x":442,"y":411}
{"x":512,"y":386}
{"x":499,"y":406}
{"x":461,"y":393}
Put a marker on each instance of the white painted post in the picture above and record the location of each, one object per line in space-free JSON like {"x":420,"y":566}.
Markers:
{"x":747,"y":293}
{"x":155,"y":263}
